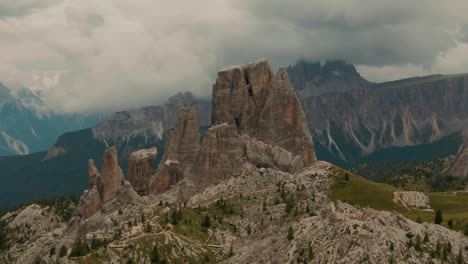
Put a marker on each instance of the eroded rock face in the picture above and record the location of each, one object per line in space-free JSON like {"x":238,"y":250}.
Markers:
{"x":181,"y":149}
{"x":112,"y":175}
{"x":283,"y":122}
{"x":265,"y":156}
{"x":140,"y":169}
{"x":240,"y":93}
{"x":107,"y":190}
{"x":94,"y":175}
{"x":90,"y":202}
{"x":183,"y":142}
{"x":221,"y":155}
{"x":459,"y":168}
{"x":264,"y":107}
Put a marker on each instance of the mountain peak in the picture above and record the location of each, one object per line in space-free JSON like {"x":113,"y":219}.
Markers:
{"x":311,"y":78}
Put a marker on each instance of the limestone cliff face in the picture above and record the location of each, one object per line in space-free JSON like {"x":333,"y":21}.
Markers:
{"x":221,"y":155}
{"x":106,"y":188}
{"x":263,"y":106}
{"x":140,"y":169}
{"x":182,"y":147}
{"x":112,"y":175}
{"x":352,"y":119}
{"x":94,"y":175}
{"x":239,"y":94}
{"x":90,"y":202}
{"x":283,"y":122}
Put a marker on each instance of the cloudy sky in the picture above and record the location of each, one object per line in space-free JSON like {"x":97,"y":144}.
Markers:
{"x":106,"y":55}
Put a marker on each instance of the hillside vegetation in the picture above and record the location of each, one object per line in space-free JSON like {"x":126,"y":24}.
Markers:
{"x":365,"y":193}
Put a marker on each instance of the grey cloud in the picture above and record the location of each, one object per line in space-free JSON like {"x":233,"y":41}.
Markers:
{"x":114,"y":54}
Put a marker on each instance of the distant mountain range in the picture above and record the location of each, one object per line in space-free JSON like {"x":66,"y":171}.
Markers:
{"x":354,"y":121}
{"x":351,"y":119}
{"x":62,"y":170}
{"x":24,"y":130}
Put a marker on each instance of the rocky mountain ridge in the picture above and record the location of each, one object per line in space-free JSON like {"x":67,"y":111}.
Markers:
{"x":361,"y":120}
{"x":243,"y":190}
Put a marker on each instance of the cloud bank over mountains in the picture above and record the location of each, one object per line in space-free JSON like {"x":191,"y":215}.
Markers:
{"x":98,"y":56}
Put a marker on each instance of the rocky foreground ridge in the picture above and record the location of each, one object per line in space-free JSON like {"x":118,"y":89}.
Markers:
{"x":252,"y":185}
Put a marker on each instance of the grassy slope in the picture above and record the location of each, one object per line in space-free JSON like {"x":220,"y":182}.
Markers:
{"x":360,"y":191}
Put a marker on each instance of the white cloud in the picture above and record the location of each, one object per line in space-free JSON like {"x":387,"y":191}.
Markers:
{"x":114,"y":54}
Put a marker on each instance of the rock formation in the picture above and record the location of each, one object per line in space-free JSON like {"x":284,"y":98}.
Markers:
{"x":181,"y":149}
{"x":263,"y":106}
{"x":94,"y":175}
{"x":283,"y":122}
{"x":140,"y":169}
{"x":220,"y":156}
{"x":90,"y":202}
{"x":112,"y":175}
{"x":105,"y":187}
{"x":257,"y":117}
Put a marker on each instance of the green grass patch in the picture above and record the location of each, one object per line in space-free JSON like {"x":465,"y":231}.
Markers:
{"x":365,"y":193}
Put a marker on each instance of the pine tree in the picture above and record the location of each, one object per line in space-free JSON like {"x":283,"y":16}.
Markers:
{"x":290,"y":233}
{"x":63,"y":251}
{"x":206,"y":222}
{"x":438,"y":247}
{"x":311,"y":252}
{"x":148,"y":228}
{"x":426,"y":238}
{"x":438,"y":217}
{"x":417,"y":244}
{"x":52,"y":252}
{"x":460,"y":259}
{"x":450,"y":223}
{"x":155,"y":256}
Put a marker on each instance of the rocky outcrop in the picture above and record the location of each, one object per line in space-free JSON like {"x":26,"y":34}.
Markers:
{"x":221,"y":155}
{"x":105,"y":189}
{"x":181,"y":149}
{"x":459,"y":168}
{"x":140,"y":169}
{"x":94,"y":175}
{"x":412,"y":199}
{"x":283,"y":122}
{"x":90,"y":202}
{"x":263,"y":155}
{"x":257,"y":117}
{"x":112,"y":175}
{"x":263,"y":106}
